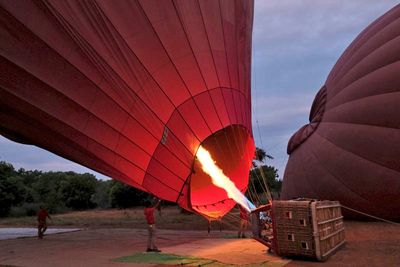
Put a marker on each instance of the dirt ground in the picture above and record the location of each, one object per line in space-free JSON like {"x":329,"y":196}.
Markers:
{"x":368,"y":244}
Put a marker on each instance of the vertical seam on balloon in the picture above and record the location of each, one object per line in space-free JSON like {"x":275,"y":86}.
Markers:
{"x":238,"y":144}
{"x":231,"y":92}
{"x":212,"y":55}
{"x":134,"y":93}
{"x":176,"y":108}
{"x":198,"y":65}
{"x":225,"y":48}
{"x":215,"y":67}
{"x":177,"y":72}
{"x":191,"y":96}
{"x":238,"y":78}
{"x":207,"y":89}
{"x":244,"y":121}
{"x":163,"y":90}
{"x":227,"y":68}
{"x":138,"y":97}
{"x":140,"y":146}
{"x":201,"y":13}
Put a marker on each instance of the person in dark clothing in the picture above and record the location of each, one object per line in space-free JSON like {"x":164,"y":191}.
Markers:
{"x":42,"y":215}
{"x":151,"y":226}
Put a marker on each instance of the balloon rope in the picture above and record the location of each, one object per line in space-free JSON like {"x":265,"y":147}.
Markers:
{"x":369,"y":215}
{"x":251,"y":193}
{"x":263,"y":185}
{"x":267,"y":192}
{"x":253,"y":190}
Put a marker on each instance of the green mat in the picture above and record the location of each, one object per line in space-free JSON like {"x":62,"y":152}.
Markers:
{"x":167,"y":259}
{"x":172,"y":259}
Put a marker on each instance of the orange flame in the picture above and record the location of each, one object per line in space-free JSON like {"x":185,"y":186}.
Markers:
{"x":219,"y":179}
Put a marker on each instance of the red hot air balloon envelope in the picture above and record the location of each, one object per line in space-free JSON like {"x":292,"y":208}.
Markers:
{"x":132,"y":88}
{"x":350,"y":151}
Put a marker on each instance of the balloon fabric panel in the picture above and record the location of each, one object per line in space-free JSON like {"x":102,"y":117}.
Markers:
{"x":132,"y":88}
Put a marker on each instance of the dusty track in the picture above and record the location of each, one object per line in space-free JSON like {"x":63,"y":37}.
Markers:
{"x":368,"y":244}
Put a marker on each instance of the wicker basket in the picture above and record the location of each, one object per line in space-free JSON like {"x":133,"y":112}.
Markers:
{"x":305,"y":228}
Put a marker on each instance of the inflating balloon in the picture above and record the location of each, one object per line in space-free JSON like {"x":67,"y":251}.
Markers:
{"x":132,"y":88}
{"x":350,"y":151}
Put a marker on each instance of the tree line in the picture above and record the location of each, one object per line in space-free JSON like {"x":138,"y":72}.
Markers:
{"x":23,"y":191}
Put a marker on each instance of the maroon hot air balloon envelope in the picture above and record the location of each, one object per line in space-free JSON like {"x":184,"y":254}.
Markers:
{"x":132,"y":88}
{"x":350,"y":151}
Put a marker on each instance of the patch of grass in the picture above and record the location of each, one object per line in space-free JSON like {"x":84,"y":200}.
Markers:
{"x":172,"y":259}
{"x":167,"y":259}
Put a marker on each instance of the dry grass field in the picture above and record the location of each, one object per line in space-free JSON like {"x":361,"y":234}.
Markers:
{"x":170,"y":218}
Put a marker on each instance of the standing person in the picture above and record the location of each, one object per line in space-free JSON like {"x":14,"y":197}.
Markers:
{"x":149,"y":213}
{"x":42,"y":215}
{"x":244,"y":222}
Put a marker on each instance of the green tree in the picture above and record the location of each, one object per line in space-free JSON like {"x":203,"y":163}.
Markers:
{"x":29,"y":178}
{"x":6,"y":169}
{"x":76,"y":190}
{"x":12,"y":190}
{"x":46,"y":190}
{"x":271,"y":175}
{"x":263,"y":175}
{"x":101,"y":197}
{"x":124,"y":196}
{"x":259,"y":156}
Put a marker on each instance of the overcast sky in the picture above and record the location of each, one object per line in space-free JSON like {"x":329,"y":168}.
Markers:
{"x":295,"y":45}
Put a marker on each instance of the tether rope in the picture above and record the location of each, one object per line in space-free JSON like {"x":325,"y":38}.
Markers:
{"x":369,"y":215}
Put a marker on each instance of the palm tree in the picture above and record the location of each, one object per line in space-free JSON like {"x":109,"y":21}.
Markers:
{"x":260,"y":156}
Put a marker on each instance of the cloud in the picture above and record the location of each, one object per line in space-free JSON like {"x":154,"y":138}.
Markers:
{"x":295,"y":45}
{"x":297,"y":42}
{"x":275,"y":110}
{"x":34,"y":158}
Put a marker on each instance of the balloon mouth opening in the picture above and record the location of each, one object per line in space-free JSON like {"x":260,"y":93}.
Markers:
{"x":232,"y":149}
